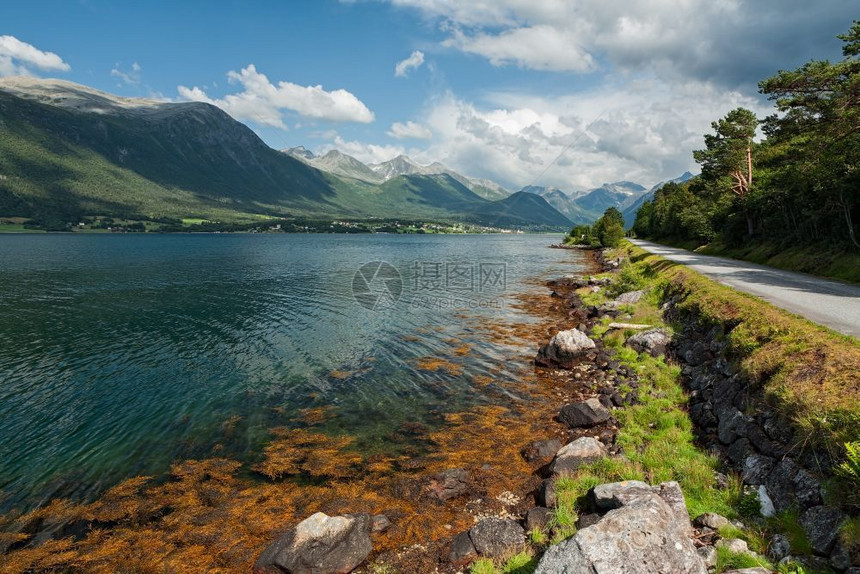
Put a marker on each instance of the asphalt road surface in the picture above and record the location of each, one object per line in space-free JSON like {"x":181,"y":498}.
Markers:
{"x":824,"y":301}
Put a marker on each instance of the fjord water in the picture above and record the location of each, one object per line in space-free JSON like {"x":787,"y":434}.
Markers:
{"x":122,"y":353}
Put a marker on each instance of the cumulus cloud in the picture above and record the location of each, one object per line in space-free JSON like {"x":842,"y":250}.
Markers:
{"x":537,"y":47}
{"x":413,"y":62}
{"x":643,"y":132}
{"x":17,"y":58}
{"x":131,"y":77}
{"x":660,"y":71}
{"x":409,"y":130}
{"x":732,"y":42}
{"x":263,"y":102}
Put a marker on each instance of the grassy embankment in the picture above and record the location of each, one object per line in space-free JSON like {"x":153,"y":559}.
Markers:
{"x":803,"y":371}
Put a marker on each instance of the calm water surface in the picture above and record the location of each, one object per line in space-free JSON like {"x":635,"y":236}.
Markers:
{"x":122,"y":353}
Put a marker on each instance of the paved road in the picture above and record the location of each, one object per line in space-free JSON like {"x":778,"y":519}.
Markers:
{"x":830,"y":303}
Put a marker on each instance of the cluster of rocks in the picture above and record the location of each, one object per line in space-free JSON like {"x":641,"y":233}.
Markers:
{"x":731,"y":418}
{"x":631,"y":526}
{"x":496,"y":537}
{"x":627,"y":526}
{"x":707,"y":538}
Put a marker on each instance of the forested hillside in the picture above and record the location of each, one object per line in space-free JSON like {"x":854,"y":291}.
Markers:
{"x":799,"y":186}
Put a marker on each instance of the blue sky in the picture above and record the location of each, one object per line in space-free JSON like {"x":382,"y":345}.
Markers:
{"x":570,"y":93}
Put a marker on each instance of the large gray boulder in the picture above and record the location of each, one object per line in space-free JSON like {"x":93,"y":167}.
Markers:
{"x":643,"y":535}
{"x":779,"y":547}
{"x":584,"y":414}
{"x":821,"y":525}
{"x":756,"y":469}
{"x":576,"y":454}
{"x":618,"y":494}
{"x":496,"y":537}
{"x":653,"y":341}
{"x":320,"y":544}
{"x":565,"y":349}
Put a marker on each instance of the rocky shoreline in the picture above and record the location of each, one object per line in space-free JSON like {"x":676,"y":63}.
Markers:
{"x":582,"y":466}
{"x":629,"y":526}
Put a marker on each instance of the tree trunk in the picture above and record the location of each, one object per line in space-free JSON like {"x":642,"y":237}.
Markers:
{"x":848,"y":221}
{"x":749,"y":168}
{"x":750,"y":227}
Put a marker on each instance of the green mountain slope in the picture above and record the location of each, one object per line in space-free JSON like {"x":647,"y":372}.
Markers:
{"x":67,"y":151}
{"x":568,"y":207}
{"x":181,"y":160}
{"x":432,"y":191}
{"x":519,"y":209}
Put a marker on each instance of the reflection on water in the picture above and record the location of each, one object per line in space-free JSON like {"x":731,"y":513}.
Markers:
{"x":119,"y":354}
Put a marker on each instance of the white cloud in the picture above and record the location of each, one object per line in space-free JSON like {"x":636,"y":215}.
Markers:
{"x":263,"y":102}
{"x":537,"y":47}
{"x":17,"y":57}
{"x":660,"y":71}
{"x":409,"y":130}
{"x":727,"y":41}
{"x":413,"y":62}
{"x":131,"y":78}
{"x":642,"y":131}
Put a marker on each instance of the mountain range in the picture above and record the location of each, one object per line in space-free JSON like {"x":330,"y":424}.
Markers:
{"x":68,"y":151}
{"x":630,"y":209}
{"x":578,"y":206}
{"x":344,"y":165}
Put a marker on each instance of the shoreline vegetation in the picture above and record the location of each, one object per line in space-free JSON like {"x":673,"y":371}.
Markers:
{"x":489,"y":473}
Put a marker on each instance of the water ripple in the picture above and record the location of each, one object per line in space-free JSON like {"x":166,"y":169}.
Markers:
{"x":120,"y":354}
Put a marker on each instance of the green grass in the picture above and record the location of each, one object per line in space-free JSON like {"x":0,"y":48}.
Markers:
{"x":656,"y":435}
{"x":788,"y":523}
{"x":728,"y":560}
{"x":538,"y":537}
{"x":482,"y":566}
{"x":849,"y":534}
{"x":801,"y":370}
{"x":756,"y":538}
{"x":562,"y":522}
{"x":12,"y":228}
{"x":521,"y":563}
